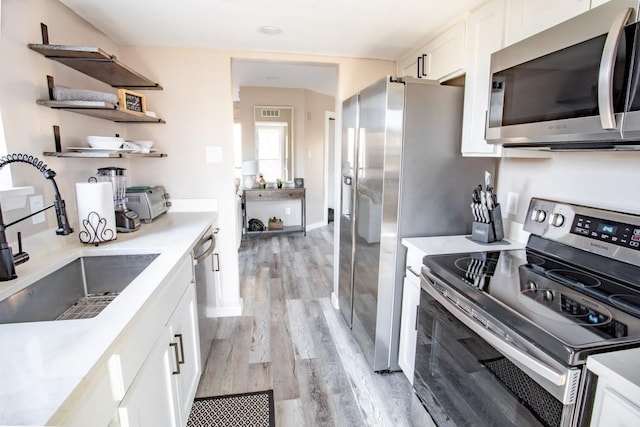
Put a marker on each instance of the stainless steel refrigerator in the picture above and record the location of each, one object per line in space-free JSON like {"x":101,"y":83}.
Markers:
{"x":402,"y":176}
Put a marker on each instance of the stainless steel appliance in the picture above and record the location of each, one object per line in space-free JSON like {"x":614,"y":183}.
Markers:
{"x":126,"y":219}
{"x":574,"y":86}
{"x":403,"y":176}
{"x":503,"y":337}
{"x":149,"y":202}
{"x":203,"y":271}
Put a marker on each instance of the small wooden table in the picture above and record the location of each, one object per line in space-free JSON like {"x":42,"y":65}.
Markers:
{"x":270,"y":195}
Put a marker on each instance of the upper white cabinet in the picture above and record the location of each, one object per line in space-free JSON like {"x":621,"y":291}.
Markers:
{"x":528,"y":17}
{"x":439,"y":59}
{"x":445,"y":53}
{"x":484,"y":36}
{"x":596,"y":3}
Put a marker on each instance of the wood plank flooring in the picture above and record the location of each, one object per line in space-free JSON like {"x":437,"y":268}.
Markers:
{"x":290,"y":339}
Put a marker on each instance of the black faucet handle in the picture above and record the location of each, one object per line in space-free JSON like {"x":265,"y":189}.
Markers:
{"x":21,"y":257}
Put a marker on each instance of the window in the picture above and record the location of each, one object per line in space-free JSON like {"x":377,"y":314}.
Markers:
{"x":272,"y":150}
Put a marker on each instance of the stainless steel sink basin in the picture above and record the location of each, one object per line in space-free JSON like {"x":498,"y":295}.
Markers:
{"x":78,"y":290}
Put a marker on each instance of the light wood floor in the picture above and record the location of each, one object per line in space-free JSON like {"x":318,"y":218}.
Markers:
{"x":290,"y":339}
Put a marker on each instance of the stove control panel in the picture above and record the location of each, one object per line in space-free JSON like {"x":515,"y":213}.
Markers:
{"x":618,"y":233}
{"x":605,"y":232}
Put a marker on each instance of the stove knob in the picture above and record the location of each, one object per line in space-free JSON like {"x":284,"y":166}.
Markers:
{"x":556,"y":220}
{"x":538,"y":215}
{"x":547,"y":295}
{"x":532,"y":286}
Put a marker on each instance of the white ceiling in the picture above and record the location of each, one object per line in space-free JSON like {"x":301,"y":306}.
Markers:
{"x":378,"y":29}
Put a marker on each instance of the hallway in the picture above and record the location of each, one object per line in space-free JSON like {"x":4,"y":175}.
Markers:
{"x":290,"y":339}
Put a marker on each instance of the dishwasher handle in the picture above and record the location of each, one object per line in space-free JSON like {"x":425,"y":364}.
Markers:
{"x":198,"y":254}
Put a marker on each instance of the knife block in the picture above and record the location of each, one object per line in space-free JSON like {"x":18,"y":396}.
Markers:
{"x":489,"y":232}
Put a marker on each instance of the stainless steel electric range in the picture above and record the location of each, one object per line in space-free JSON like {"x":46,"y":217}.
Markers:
{"x":503,"y":336}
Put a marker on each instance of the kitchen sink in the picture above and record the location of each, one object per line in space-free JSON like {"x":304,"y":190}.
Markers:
{"x":80,"y":289}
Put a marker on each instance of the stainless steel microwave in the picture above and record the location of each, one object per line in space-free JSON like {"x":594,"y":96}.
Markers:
{"x":575,"y":86}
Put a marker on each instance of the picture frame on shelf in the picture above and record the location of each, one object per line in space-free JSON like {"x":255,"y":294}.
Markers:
{"x":129,"y":100}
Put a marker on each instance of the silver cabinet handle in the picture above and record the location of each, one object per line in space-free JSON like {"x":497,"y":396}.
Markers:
{"x":216,"y":266}
{"x":607,"y":63}
{"x":175,"y":349}
{"x":181,"y":360}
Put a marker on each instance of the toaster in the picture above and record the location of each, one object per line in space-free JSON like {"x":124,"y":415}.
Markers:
{"x":148,"y":202}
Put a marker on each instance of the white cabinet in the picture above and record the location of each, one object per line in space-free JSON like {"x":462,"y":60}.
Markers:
{"x":408,"y":66}
{"x":409,"y":313}
{"x":184,"y":340}
{"x":596,"y":3}
{"x":163,"y":391}
{"x":484,"y":36}
{"x":445,"y":54}
{"x":611,"y":409}
{"x":528,"y":17}
{"x":439,"y":59}
{"x":616,"y":402}
{"x":408,"y":331}
{"x":150,"y":399}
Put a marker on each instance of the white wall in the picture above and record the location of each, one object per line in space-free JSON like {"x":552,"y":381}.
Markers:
{"x":604,"y":179}
{"x":196,"y":102}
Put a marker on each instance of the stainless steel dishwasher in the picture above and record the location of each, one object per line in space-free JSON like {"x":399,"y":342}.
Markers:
{"x":204,"y":266}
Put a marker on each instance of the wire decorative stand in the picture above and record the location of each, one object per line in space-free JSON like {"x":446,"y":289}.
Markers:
{"x":95,"y":230}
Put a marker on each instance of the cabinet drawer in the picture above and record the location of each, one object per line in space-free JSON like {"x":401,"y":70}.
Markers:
{"x":275,"y":194}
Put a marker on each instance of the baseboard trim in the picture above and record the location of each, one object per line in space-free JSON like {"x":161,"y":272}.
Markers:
{"x":316,"y":225}
{"x":335,"y":301}
{"x":234,"y":310}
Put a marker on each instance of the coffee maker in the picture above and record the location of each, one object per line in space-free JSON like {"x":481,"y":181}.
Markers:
{"x":126,"y":219}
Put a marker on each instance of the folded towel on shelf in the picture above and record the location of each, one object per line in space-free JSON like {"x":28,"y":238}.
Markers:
{"x":63,"y":93}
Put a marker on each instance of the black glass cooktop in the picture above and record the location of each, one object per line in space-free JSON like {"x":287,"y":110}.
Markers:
{"x":573,"y":311}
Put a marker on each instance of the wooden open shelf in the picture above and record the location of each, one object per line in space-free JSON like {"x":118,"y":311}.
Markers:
{"x":98,"y":64}
{"x":99,"y":155}
{"x":101,"y":110}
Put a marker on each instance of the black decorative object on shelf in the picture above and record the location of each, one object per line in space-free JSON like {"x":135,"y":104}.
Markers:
{"x":95,"y":229}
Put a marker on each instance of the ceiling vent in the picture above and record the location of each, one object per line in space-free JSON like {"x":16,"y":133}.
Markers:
{"x":270,"y":113}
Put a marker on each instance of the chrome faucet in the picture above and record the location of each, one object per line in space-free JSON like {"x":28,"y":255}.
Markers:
{"x":8,"y":260}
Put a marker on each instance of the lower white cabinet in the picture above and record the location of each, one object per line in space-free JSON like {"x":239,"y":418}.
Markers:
{"x":616,"y":401}
{"x":612,"y":409}
{"x":408,"y":319}
{"x":163,"y":391}
{"x":409,"y":313}
{"x":150,"y":401}
{"x":185,"y":341}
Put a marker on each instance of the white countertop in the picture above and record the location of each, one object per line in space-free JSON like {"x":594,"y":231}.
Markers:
{"x":620,"y":369}
{"x":456,"y":244}
{"x":41,"y":363}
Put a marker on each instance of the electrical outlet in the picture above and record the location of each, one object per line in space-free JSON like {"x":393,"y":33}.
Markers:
{"x":512,"y":203}
{"x":35,"y":204}
{"x":287,"y":211}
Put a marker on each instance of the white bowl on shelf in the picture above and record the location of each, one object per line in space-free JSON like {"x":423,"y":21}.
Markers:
{"x":105,"y":142}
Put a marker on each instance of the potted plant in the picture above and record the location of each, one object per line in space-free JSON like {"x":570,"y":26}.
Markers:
{"x":279,"y":183}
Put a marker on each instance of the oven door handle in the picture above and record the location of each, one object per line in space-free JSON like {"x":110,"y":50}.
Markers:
{"x":541,"y":368}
